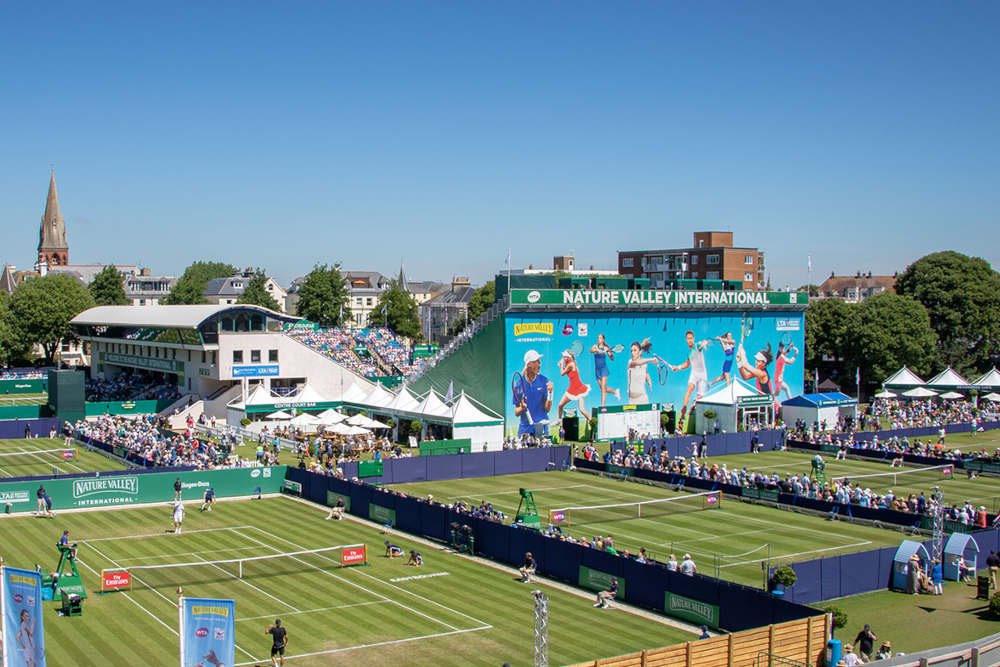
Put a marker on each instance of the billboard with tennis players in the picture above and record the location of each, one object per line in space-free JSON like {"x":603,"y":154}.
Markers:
{"x":559,"y":363}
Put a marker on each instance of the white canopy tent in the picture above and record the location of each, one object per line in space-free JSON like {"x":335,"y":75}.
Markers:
{"x":992,"y":396}
{"x":902,"y":379}
{"x":279,"y":415}
{"x":989,"y":381}
{"x":364,"y":422}
{"x":951,"y":395}
{"x":404,"y":401}
{"x":947,"y":379}
{"x":730,"y":404}
{"x":306,"y":422}
{"x":470,"y":421}
{"x":920,"y":392}
{"x":331,"y":416}
{"x":379,"y":397}
{"x":433,"y":406}
{"x":885,"y":393}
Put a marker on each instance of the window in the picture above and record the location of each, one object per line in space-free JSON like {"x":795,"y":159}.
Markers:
{"x":694,"y":259}
{"x":213,"y":357}
{"x":237,"y":356}
{"x":369,"y":301}
{"x":202,"y":356}
{"x":627,"y":262}
{"x":254,"y":356}
{"x":272,"y":356}
{"x":748,"y":259}
{"x":712,"y":275}
{"x":748,"y":277}
{"x":712,"y":259}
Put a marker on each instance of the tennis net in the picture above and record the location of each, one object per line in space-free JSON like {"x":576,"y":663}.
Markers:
{"x":25,"y":457}
{"x":692,"y":502}
{"x":164,"y":575}
{"x":901,"y":477}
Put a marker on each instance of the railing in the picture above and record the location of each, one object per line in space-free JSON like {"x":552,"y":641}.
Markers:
{"x":221,"y":430}
{"x":766,"y":659}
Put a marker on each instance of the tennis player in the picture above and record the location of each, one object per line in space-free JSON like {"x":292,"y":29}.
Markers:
{"x":279,"y":640}
{"x":178,"y":516}
{"x":537,"y":396}
{"x":577,"y":390}
{"x":698,"y":378}
{"x":603,"y":353}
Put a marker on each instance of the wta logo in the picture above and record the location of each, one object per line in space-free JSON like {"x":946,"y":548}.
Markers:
{"x":523,"y":328}
{"x":712,"y":499}
{"x":558,"y":517}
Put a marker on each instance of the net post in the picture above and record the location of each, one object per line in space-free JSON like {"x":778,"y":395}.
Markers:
{"x":240,"y":564}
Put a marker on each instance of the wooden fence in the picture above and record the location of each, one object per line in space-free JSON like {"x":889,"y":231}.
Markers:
{"x":802,"y":641}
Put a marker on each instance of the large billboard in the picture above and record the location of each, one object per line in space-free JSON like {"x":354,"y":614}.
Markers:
{"x":580,"y":361}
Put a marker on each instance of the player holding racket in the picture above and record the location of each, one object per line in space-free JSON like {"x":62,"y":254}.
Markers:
{"x":782,"y":359}
{"x":602,"y":354}
{"x":698,"y":379}
{"x":532,"y":394}
{"x":728,"y":349}
{"x":577,"y":390}
{"x":638,"y":372}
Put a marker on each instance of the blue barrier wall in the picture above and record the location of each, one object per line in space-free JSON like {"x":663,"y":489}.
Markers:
{"x":14,"y":428}
{"x":458,"y":466}
{"x":645,"y":585}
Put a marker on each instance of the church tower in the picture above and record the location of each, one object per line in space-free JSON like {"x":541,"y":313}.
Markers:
{"x":53,"y":249}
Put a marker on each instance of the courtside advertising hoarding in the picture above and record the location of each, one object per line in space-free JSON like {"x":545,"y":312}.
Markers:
{"x":586,"y":361}
{"x":208,"y":632}
{"x":23,"y":622}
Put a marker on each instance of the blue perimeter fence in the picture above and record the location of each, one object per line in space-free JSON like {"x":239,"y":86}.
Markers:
{"x":14,"y":428}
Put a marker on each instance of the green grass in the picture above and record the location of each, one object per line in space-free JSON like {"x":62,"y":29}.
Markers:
{"x":731,"y":541}
{"x":18,"y":458}
{"x":24,"y":399}
{"x":470,"y":614}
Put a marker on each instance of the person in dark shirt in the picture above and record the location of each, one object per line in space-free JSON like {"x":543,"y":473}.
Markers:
{"x":279,"y":636}
{"x":528,"y":569}
{"x":993,"y":563}
{"x":865,"y":642}
{"x":177,"y":489}
{"x":393,"y":550}
{"x":209,"y":500}
{"x":605,"y":597}
{"x":337,"y":511}
{"x":415,"y":558}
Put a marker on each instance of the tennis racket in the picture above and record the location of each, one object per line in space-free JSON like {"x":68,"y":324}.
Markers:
{"x":662,"y":369}
{"x":576,"y":348}
{"x":786,"y":340}
{"x":518,"y":389}
{"x":618,"y":349}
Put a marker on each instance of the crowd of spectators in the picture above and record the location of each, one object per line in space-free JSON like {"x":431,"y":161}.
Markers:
{"x":337,"y":344}
{"x":146,"y":439}
{"x":526,"y":440}
{"x":898,"y":414}
{"x":388,"y":347}
{"x":24,"y":373}
{"x":136,"y":386}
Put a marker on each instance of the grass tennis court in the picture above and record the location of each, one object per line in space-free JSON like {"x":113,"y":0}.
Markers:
{"x":21,"y":457}
{"x":739,"y":533}
{"x":451,"y":611}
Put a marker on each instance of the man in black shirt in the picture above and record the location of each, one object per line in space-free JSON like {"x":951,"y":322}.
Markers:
{"x":337,"y":511}
{"x":993,"y":562}
{"x":279,"y":635}
{"x":529,"y":567}
{"x":865,"y":642}
{"x":177,"y":489}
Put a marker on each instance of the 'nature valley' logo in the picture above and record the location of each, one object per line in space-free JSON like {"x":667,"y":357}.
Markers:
{"x":523,"y":328}
{"x":88,"y":487}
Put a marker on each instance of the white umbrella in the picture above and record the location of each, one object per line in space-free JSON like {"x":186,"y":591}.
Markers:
{"x":340,"y":429}
{"x":330,"y":416}
{"x":951,"y":395}
{"x":992,"y":396}
{"x":357,"y":430}
{"x":280,"y":414}
{"x":360,"y":420}
{"x":885,"y":393}
{"x":920,"y":392}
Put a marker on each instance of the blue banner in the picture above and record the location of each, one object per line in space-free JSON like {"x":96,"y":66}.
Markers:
{"x":23,"y":632}
{"x":256,"y":371}
{"x":208,"y":632}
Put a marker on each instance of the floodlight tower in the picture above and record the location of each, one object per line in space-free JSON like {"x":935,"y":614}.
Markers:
{"x":541,"y":629}
{"x":937,"y":525}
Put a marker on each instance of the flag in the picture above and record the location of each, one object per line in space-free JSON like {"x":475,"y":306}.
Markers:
{"x":450,"y":396}
{"x":208,"y":632}
{"x":809,"y":263}
{"x":857,"y":379}
{"x":23,"y":619}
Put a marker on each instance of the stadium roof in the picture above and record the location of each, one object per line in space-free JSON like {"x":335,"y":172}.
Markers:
{"x":820,"y":400}
{"x":176,"y":317}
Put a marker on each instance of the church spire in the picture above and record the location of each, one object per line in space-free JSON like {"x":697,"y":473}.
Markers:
{"x":53,"y":249}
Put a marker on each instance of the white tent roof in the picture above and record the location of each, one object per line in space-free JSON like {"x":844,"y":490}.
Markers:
{"x":919,"y":392}
{"x":307,"y":395}
{"x":991,"y":379}
{"x":885,"y":393}
{"x":729,"y":395}
{"x":354,"y":394}
{"x":280,"y":414}
{"x":339,"y":428}
{"x":992,"y":396}
{"x":330,"y":416}
{"x":433,"y":406}
{"x":364,"y":422}
{"x":951,"y":395}
{"x":379,"y":397}
{"x":947,"y":378}
{"x":404,"y":401}
{"x":904,"y":377}
{"x":465,"y":412}
{"x":304,"y":420}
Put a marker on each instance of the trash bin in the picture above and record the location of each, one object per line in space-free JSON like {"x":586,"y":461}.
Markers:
{"x":982,"y":588}
{"x":833,"y":652}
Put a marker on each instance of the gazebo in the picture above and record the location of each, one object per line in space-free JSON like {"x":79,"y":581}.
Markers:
{"x":904,"y":378}
{"x":960,"y":546}
{"x":901,"y":561}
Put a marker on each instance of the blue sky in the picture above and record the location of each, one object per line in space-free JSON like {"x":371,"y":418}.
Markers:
{"x":440,"y":134}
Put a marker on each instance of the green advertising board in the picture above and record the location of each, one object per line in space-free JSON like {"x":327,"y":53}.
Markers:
{"x":331,"y":500}
{"x":441,"y":447}
{"x":383,"y":515}
{"x":369,"y":469}
{"x":23,"y":387}
{"x":692,"y":610}
{"x":656,"y":299}
{"x":125,"y":407}
{"x":596,"y":580}
{"x":141,"y":488}
{"x":150,"y":363}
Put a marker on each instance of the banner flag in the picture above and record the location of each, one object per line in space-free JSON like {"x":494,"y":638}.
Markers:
{"x":208,"y":632}
{"x":23,"y":627}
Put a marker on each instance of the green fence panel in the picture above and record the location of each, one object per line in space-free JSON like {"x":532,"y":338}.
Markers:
{"x":22,"y":411}
{"x":440,"y":447}
{"x":384,"y":515}
{"x":692,"y":610}
{"x":596,"y":580}
{"x":141,"y":488}
{"x":125,"y":407}
{"x":23,"y":387}
{"x":369,"y":469}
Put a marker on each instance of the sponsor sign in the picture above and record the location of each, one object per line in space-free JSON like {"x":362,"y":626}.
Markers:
{"x":383,"y":515}
{"x":712,"y":499}
{"x":269,"y":370}
{"x":632,"y":298}
{"x":115,"y":580}
{"x":596,"y":580}
{"x":167,"y":365}
{"x":692,"y":610}
{"x":23,"y":619}
{"x":292,"y":486}
{"x":208,"y":628}
{"x":15,"y":497}
{"x":69,"y":454}
{"x":557,"y":516}
{"x":354,"y":556}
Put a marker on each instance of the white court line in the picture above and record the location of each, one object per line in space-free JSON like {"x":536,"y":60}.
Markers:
{"x":339,"y":578}
{"x":256,"y":588}
{"x":420,"y":576}
{"x":50,"y":461}
{"x":172,"y":603}
{"x":188,"y":553}
{"x":162,"y":534}
{"x":399,"y":588}
{"x":312,"y":611}
{"x":801,"y":553}
{"x":373,"y":645}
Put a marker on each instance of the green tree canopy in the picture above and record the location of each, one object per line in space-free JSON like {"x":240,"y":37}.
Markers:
{"x":829,"y":322}
{"x":480,"y":302}
{"x":108,"y":288}
{"x":397,"y":309}
{"x":190,"y":287}
{"x":8,"y":342}
{"x":962,"y":295}
{"x":890,"y":331}
{"x":323,"y":296}
{"x":256,"y":292}
{"x":41,"y":308}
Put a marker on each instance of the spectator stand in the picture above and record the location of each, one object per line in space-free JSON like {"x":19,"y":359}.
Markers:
{"x":901,"y":562}
{"x":959,"y":548}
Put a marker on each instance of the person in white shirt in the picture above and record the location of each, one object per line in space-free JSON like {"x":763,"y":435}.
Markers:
{"x":178,"y":517}
{"x":687,"y":566}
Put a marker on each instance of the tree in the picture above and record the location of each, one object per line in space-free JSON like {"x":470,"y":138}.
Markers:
{"x":190,"y":287}
{"x":481,"y":300}
{"x":829,"y":323}
{"x":7,"y":340}
{"x":108,"y":288}
{"x":811,"y":288}
{"x":397,"y":309}
{"x":962,"y":295}
{"x":41,"y":309}
{"x":323,"y":296}
{"x":256,"y":292}
{"x":891,"y":331}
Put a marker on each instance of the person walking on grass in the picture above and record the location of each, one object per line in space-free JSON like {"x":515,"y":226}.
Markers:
{"x":279,"y":640}
{"x":865,"y":641}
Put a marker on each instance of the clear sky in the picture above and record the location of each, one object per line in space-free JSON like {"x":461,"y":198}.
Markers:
{"x":440,"y":134}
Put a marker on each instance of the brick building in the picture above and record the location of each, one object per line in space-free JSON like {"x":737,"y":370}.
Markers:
{"x":711,"y":257}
